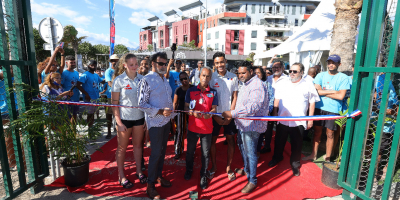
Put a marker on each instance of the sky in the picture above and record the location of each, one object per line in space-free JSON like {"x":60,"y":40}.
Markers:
{"x":91,"y":17}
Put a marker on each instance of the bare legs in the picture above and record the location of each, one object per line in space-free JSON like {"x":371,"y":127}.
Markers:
{"x":231,"y":151}
{"x":332,"y":138}
{"x":123,"y":141}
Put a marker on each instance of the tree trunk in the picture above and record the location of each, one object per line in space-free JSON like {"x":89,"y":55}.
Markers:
{"x":345,"y":31}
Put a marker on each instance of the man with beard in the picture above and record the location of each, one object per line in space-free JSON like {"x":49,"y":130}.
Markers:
{"x":155,"y":99}
{"x":332,"y":87}
{"x":274,"y":80}
{"x":87,"y":84}
{"x":108,"y":77}
{"x":69,"y":78}
{"x":252,"y":101}
{"x":293,"y":97}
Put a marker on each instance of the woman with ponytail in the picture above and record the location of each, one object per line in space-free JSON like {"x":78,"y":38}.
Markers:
{"x":130,"y":121}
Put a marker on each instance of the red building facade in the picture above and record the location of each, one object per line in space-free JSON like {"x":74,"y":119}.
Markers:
{"x":235,"y":37}
{"x":184,"y":31}
{"x":163,"y":37}
{"x":146,"y":38}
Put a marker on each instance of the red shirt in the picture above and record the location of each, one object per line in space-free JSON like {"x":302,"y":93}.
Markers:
{"x":204,"y":102}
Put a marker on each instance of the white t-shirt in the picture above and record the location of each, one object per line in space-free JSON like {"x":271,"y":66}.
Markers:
{"x":295,"y":99}
{"x":225,"y":86}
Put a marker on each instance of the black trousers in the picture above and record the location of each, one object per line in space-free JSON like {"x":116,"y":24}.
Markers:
{"x":181,"y":129}
{"x":296,"y":140}
{"x":159,"y":140}
{"x":205,"y":143}
{"x":268,"y":134}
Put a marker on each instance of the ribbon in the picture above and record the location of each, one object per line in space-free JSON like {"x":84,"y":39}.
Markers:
{"x":259,"y":118}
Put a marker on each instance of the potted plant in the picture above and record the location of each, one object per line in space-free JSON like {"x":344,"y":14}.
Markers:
{"x":68,"y":141}
{"x":330,"y":170}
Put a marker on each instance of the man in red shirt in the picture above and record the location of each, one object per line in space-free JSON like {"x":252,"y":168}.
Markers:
{"x":200,"y":99}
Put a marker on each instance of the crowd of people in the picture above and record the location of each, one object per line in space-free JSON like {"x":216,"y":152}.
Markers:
{"x":174,"y":102}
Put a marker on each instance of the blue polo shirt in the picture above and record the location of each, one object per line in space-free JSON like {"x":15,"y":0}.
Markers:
{"x":89,"y":83}
{"x":68,"y":79}
{"x":203,"y":102}
{"x":174,"y":81}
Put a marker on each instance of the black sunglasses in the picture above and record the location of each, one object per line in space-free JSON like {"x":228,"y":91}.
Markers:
{"x":201,"y":63}
{"x":183,"y":79}
{"x":293,"y":71}
{"x":161,"y":63}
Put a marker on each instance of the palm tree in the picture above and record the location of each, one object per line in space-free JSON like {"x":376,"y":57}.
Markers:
{"x":70,"y":38}
{"x":345,"y":31}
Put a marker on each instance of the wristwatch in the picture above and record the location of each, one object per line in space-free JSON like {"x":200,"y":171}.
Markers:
{"x":62,"y":54}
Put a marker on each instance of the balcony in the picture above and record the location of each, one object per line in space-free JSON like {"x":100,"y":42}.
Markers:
{"x":276,"y":26}
{"x":232,"y":15}
{"x":306,"y":16}
{"x":269,"y":15}
{"x":275,"y":39}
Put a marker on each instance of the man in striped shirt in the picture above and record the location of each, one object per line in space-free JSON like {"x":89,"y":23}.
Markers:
{"x":252,"y":101}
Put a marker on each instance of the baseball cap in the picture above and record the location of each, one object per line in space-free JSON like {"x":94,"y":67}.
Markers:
{"x":335,"y":58}
{"x":178,"y":59}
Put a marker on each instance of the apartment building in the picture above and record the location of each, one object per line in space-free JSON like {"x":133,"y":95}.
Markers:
{"x":237,"y":27}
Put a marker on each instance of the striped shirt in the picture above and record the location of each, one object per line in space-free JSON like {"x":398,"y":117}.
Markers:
{"x":154,"y":94}
{"x":252,"y":101}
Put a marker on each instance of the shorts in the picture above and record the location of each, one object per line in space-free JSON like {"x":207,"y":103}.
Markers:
{"x":109,"y":110}
{"x":74,"y":109}
{"x":330,"y":124}
{"x":132,"y":123}
{"x":90,"y":109}
{"x":229,"y":129}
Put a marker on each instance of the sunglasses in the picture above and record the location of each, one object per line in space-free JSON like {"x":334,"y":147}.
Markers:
{"x":201,"y":63}
{"x":161,"y":63}
{"x":293,"y":71}
{"x":183,"y":79}
{"x":178,"y":62}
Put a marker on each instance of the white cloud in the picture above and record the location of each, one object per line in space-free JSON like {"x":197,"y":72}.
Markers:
{"x":160,"y":6}
{"x":52,"y":10}
{"x":140,"y":18}
{"x":90,"y":3}
{"x":96,"y":38}
{"x":105,"y":16}
{"x":83,"y":20}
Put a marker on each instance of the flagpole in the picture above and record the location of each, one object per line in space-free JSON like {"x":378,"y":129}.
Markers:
{"x":205,"y":40}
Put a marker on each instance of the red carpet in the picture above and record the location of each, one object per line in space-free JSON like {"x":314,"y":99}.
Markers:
{"x":273,"y":183}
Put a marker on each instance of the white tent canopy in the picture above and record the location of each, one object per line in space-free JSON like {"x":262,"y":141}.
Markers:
{"x":314,"y":35}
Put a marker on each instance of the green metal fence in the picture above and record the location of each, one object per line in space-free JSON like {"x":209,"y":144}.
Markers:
{"x":23,"y":162}
{"x":369,"y":166}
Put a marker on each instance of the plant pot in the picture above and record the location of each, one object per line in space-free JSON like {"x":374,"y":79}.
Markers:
{"x":329,"y":176}
{"x":76,"y":175}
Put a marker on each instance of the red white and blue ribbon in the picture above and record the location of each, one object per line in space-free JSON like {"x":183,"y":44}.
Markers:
{"x":260,"y":118}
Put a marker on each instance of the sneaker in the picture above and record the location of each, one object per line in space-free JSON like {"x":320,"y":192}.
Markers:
{"x":188,"y":175}
{"x":296,"y":171}
{"x":203,"y":182}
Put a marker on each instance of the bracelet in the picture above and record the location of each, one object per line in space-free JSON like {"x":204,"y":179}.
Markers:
{"x":62,"y":54}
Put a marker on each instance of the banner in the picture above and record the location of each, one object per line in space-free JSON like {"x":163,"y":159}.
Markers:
{"x":112,"y":27}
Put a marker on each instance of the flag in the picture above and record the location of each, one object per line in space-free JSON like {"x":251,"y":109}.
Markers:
{"x":112,"y":27}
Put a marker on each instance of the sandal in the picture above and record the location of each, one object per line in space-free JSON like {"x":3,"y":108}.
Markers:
{"x":142,"y":178}
{"x":231,"y":176}
{"x":126,"y":184}
{"x":240,"y":171}
{"x":210,"y":175}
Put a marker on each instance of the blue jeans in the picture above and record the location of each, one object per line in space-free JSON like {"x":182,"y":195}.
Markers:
{"x":247,"y":142}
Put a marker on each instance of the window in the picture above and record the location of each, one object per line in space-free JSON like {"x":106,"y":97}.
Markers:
{"x":208,"y":36}
{"x":270,"y":9}
{"x":214,"y":22}
{"x":253,"y":34}
{"x":217,"y":35}
{"x":246,"y":7}
{"x":260,"y":9}
{"x":288,"y":10}
{"x":161,"y":34}
{"x":284,"y":9}
{"x":293,"y":10}
{"x":216,"y":11}
{"x":161,"y":43}
{"x":236,"y":35}
{"x":253,"y":9}
{"x":222,"y":48}
{"x":216,"y":47}
{"x":234,"y":22}
{"x":185,"y":39}
{"x":199,"y":38}
{"x":140,"y":38}
{"x":264,"y":8}
{"x":253,"y":46}
{"x":296,"y":22}
{"x":277,"y":9}
{"x":201,"y":30}
{"x":249,"y":21}
{"x":301,"y":10}
{"x":145,"y":37}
